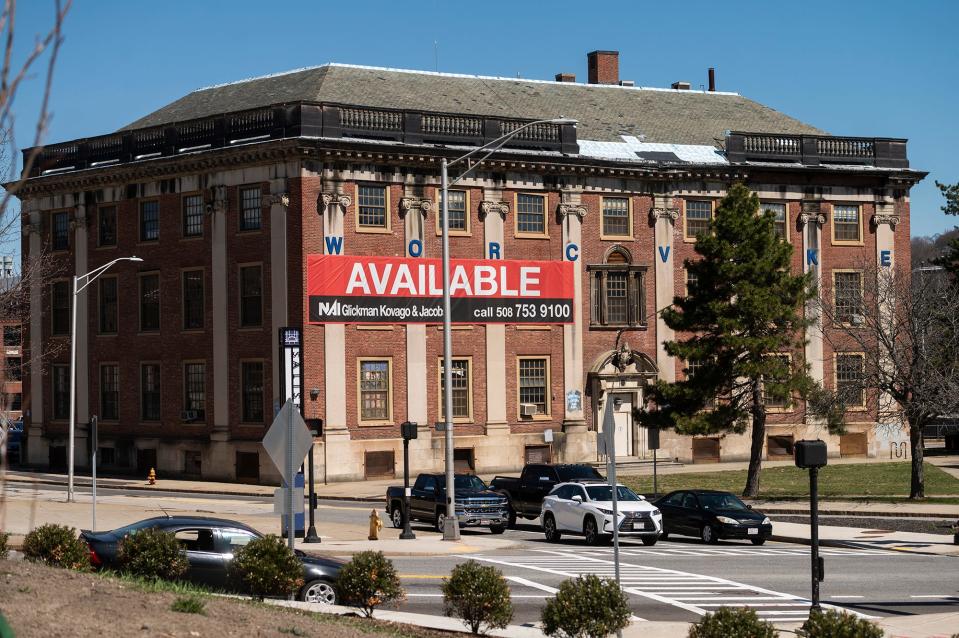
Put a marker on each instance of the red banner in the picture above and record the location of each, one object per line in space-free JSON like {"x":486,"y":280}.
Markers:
{"x":358,"y":289}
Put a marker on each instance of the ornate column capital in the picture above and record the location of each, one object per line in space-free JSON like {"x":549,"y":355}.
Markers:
{"x":487,"y":207}
{"x":216,"y":199}
{"x":811,"y":218}
{"x":565,"y":210}
{"x":885,"y":218}
{"x":331,"y":197}
{"x":671,"y":214}
{"x":268,"y":199}
{"x":30,"y":229}
{"x":412,"y":203}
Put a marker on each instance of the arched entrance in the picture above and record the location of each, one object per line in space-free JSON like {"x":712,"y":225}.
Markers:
{"x":621,"y":374}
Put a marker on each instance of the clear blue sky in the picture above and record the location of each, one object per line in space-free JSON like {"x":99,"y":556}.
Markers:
{"x":878,"y":68}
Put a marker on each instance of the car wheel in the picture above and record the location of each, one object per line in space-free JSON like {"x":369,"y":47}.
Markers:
{"x":649,"y":541}
{"x":549,"y":527}
{"x":318,"y":591}
{"x":396,"y":516}
{"x":708,"y":534}
{"x":440,"y":521}
{"x":497,"y":529}
{"x":757,"y":541}
{"x":591,"y":532}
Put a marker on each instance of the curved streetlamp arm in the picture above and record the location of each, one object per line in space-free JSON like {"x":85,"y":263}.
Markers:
{"x":96,"y":272}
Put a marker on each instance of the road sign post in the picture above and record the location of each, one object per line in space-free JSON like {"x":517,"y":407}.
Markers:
{"x":812,"y":455}
{"x":93,"y":469}
{"x":286,"y":443}
{"x":409,"y":432}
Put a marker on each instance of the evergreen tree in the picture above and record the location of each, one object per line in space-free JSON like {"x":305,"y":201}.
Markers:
{"x":950,"y":259}
{"x":743,"y":305}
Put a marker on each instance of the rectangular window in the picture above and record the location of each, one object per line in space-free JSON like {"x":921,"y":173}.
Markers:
{"x":779,"y":218}
{"x":530,"y":214}
{"x":107,"y":226}
{"x":847,"y":288}
{"x":193,"y":216}
{"x":534,"y":384}
{"x":61,"y":392}
{"x":371,"y":207}
{"x":194,"y":391}
{"x":107,"y":305}
{"x":60,"y":233}
{"x":618,"y":296}
{"x":16,"y":401}
{"x":109,"y":392}
{"x":777,"y":402}
{"x":60,"y":307}
{"x":11,"y":336}
{"x":150,"y":392}
{"x":461,"y":389}
{"x":457,"y":211}
{"x":691,"y":280}
{"x":149,"y":221}
{"x":849,"y":379}
{"x":251,"y":208}
{"x":149,"y":303}
{"x":698,"y":214}
{"x":251,"y":296}
{"x":193,"y":300}
{"x":252,"y":378}
{"x":616,"y":221}
{"x":845,"y":223}
{"x":13,"y":369}
{"x":375,"y":386}
{"x":693,"y":366}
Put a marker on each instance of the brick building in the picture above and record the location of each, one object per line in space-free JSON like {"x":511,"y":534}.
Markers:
{"x":227,"y":192}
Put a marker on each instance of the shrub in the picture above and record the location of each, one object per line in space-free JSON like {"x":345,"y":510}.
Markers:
{"x":369,"y":580}
{"x":833,"y":623}
{"x":479,"y":595}
{"x":57,"y":545}
{"x":586,"y":607}
{"x":151,"y":553}
{"x":267,"y":567}
{"x":189,"y":605}
{"x":732,"y":622}
{"x":4,"y":550}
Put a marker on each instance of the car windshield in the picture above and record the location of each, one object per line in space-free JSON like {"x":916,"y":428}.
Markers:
{"x":721,"y":502}
{"x":469,"y":482}
{"x":573,"y":472}
{"x":605,"y":493}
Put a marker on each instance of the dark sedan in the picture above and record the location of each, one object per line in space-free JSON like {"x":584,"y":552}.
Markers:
{"x":208,"y":544}
{"x":712,"y":516}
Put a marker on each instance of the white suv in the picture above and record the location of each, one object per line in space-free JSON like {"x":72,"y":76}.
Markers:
{"x":587,"y":509}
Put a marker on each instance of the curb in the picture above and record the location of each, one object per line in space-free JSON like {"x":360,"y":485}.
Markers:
{"x":857,"y":513}
{"x":798,"y":540}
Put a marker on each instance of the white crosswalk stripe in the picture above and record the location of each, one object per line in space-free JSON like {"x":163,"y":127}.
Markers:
{"x":693,"y":592}
{"x":702,"y":552}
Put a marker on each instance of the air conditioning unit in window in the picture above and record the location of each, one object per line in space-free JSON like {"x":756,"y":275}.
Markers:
{"x":528,"y":409}
{"x":188,"y":415}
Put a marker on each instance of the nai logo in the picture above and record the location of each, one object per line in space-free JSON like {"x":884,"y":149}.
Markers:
{"x":324,"y":308}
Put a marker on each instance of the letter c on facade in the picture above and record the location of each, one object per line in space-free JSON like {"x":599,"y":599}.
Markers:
{"x":572,"y":251}
{"x":415,"y":248}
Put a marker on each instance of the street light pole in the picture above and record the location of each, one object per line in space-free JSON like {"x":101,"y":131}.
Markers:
{"x":90,"y":277}
{"x":451,"y":529}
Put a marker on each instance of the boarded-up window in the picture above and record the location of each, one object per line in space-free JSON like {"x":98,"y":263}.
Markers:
{"x":537,"y":454}
{"x":464,"y":462}
{"x":706,"y":450}
{"x":248,"y":466}
{"x":853,"y":444}
{"x":380,"y":464}
{"x":779,"y":445}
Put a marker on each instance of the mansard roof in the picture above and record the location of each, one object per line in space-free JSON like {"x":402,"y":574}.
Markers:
{"x":605,"y":112}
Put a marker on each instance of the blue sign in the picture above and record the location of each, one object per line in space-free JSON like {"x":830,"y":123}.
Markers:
{"x":574,"y":401}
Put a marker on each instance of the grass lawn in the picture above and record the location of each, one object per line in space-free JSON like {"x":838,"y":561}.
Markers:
{"x":877,"y":481}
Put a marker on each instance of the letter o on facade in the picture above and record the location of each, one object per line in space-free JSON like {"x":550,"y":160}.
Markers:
{"x":415,"y":248}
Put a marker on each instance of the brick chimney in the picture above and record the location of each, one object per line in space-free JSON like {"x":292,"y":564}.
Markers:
{"x":565,"y":77}
{"x":603,"y":67}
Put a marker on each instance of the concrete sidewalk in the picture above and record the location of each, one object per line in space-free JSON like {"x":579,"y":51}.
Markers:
{"x":918,"y":626}
{"x":868,"y":538}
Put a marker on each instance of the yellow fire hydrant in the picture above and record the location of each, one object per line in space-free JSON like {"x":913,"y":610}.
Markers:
{"x":375,"y":526}
{"x":152,"y":477}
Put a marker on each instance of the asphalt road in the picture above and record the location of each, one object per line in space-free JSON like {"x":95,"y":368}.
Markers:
{"x":677,"y":579}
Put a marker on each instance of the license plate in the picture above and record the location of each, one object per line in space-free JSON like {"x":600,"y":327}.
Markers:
{"x":752,"y":530}
{"x":484,"y":522}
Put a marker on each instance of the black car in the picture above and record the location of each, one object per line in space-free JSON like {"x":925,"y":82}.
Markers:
{"x":712,"y":516}
{"x":208,"y":544}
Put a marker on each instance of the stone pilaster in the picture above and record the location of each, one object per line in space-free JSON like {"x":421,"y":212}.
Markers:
{"x":81,"y":266}
{"x":811,"y":220}
{"x":493,"y":213}
{"x":279,"y":201}
{"x":334,"y":207}
{"x":218,"y":278}
{"x":36,"y":445}
{"x":571,"y":213}
{"x":415,"y":212}
{"x":663,"y":217}
{"x":885,"y":221}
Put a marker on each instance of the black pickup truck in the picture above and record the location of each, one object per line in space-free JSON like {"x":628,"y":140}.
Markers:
{"x":476,"y":504}
{"x":526,"y":493}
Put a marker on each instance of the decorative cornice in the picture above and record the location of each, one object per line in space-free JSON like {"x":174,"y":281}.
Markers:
{"x":340,"y":199}
{"x":268,"y":199}
{"x":885,"y":218}
{"x":487,"y":207}
{"x":671,"y":214}
{"x":412,"y":203}
{"x":806,"y":218}
{"x":565,"y":210}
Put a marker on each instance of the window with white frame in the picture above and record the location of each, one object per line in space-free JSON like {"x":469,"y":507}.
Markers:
{"x":698,"y":214}
{"x":193,"y":207}
{"x":251,"y":208}
{"x":375,"y":385}
{"x":460,"y":389}
{"x":194,"y":389}
{"x":616,"y":221}
{"x":149,"y":221}
{"x":846,"y":223}
{"x":251,"y":379}
{"x":847,"y":291}
{"x":617,"y":291}
{"x":778,"y":211}
{"x":150,"y":391}
{"x":60,"y":232}
{"x":530,"y":214}
{"x":371,"y":206}
{"x":534,"y":383}
{"x":849,"y":379}
{"x":457,"y":211}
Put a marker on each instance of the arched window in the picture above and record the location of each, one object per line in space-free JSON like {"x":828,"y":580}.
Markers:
{"x":617,"y":292}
